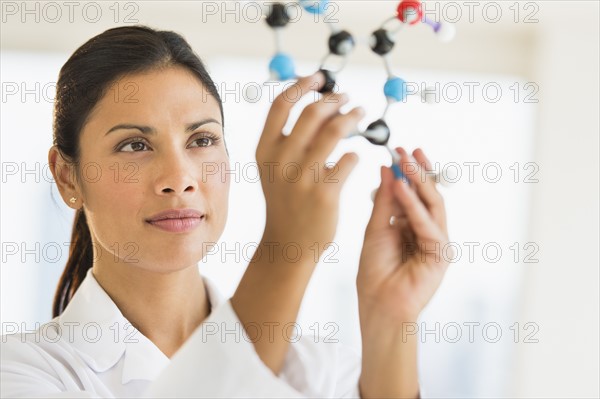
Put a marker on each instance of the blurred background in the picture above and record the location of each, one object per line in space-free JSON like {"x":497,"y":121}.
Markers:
{"x":514,"y":122}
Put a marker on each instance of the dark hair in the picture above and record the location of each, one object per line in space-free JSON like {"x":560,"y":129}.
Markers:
{"x":82,"y":82}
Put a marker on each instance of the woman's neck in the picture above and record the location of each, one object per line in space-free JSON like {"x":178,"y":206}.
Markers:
{"x":165,"y":307}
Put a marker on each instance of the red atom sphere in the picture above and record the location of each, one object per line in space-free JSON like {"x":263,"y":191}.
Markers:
{"x":410,"y":5}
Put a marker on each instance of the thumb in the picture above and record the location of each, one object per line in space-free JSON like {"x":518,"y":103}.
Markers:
{"x":385,"y":204}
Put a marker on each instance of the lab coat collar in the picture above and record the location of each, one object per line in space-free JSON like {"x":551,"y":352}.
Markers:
{"x":97,"y":329}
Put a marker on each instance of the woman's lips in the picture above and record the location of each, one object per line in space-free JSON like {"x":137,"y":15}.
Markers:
{"x":179,"y":225}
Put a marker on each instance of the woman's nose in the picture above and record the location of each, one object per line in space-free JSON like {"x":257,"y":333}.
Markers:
{"x":175,"y":176}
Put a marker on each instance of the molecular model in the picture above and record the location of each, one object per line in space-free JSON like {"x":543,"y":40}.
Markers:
{"x":341,"y":43}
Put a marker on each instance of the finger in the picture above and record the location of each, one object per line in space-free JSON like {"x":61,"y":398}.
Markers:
{"x":330,"y":135}
{"x":439,"y":213}
{"x":312,"y":118}
{"x":283,"y":103}
{"x":385,"y":204}
{"x":425,"y":186}
{"x":400,"y":221}
{"x":426,"y":169}
{"x":422,"y":223}
{"x":341,"y":170}
{"x":420,"y":156}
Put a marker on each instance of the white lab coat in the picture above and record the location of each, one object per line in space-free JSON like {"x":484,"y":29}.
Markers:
{"x":90,"y":350}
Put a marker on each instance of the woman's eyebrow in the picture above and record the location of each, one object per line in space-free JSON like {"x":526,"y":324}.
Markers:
{"x":150,"y":130}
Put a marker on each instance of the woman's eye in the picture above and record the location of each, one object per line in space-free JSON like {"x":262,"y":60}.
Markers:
{"x":134,"y":146}
{"x":204,"y":142}
{"x":140,"y":146}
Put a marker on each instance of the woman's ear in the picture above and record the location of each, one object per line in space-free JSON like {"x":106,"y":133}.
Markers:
{"x":65,"y":178}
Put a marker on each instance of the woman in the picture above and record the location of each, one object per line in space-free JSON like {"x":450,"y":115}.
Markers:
{"x":138,"y":120}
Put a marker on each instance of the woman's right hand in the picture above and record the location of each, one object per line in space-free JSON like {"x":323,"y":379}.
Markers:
{"x":302,"y":198}
{"x":301,"y":192}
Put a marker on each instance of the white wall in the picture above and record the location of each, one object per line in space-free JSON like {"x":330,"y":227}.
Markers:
{"x":561,"y":292}
{"x":475,"y":290}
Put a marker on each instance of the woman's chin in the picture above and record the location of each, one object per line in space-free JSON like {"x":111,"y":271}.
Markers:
{"x":166,"y":261}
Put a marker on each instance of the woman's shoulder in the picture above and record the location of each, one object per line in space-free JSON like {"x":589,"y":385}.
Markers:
{"x":16,"y":339}
{"x":32,"y":356}
{"x":15,"y":342}
{"x":43,"y":347}
{"x":65,"y":353}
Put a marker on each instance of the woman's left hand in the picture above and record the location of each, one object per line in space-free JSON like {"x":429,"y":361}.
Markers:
{"x":402,"y":265}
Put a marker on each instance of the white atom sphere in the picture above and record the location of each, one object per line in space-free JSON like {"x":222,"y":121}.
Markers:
{"x":446,"y":32}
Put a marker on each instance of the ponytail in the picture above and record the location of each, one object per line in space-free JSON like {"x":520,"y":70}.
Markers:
{"x":80,"y":260}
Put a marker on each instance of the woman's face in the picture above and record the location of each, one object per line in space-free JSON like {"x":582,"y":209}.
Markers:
{"x":173,"y":161}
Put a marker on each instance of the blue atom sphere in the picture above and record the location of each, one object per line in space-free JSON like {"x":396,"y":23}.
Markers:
{"x":314,"y":6}
{"x":282,"y":66}
{"x":395,"y":88}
